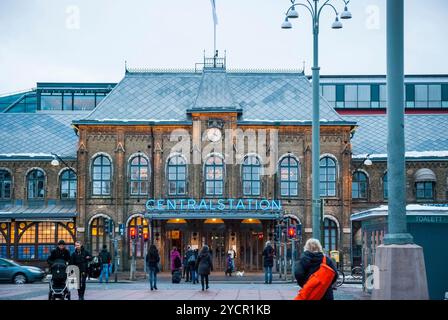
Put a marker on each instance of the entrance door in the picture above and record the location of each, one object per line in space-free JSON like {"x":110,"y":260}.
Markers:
{"x":251,"y":249}
{"x":173,"y":239}
{"x":216,"y":240}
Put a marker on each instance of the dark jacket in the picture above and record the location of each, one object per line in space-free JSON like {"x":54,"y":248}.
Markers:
{"x":81,"y":259}
{"x":152,"y":260}
{"x":58,"y":254}
{"x":268,"y":256}
{"x":204,"y":263}
{"x":105,"y":256}
{"x":308,"y":264}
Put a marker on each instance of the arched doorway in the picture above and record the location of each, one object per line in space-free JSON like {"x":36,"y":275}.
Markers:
{"x":251,"y":245}
{"x":99,"y":235}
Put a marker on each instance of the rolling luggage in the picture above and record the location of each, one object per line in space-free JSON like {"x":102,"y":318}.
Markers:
{"x":177,"y":276}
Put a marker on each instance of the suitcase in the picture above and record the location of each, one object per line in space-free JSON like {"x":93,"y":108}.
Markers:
{"x":177,"y":276}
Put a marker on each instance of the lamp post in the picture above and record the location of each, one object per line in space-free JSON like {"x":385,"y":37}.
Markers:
{"x":315,"y":9}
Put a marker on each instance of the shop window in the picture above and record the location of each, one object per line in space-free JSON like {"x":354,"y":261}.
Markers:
{"x":139,"y":241}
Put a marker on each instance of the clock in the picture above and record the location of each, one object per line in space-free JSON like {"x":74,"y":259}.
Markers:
{"x":214,"y":134}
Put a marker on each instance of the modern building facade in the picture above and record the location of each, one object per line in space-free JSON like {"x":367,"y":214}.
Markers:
{"x":207,"y":156}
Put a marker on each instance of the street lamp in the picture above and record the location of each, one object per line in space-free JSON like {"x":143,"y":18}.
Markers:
{"x":55,"y":162}
{"x":315,"y":9}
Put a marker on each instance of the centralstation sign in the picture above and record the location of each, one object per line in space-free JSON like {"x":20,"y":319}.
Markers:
{"x":213,"y":205}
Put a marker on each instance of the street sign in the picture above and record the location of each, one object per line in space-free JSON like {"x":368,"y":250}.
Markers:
{"x":121,"y":229}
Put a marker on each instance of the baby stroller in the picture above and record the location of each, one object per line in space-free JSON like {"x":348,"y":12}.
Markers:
{"x":58,"y":282}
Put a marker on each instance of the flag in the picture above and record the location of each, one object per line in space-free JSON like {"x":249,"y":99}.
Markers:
{"x":215,"y":17}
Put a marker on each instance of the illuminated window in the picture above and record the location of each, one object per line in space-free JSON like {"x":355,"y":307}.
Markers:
{"x":139,"y":242}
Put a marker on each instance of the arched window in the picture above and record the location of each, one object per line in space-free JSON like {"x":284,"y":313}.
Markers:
{"x":68,"y":185}
{"x":177,"y":175}
{"x":330,"y":235}
{"x":214,"y":176}
{"x":36,"y":184}
{"x":359,"y":185}
{"x":98,"y":235}
{"x":425,"y":180}
{"x":385,"y":190}
{"x":289,"y":176}
{"x":327,"y":177}
{"x":251,"y":176}
{"x":5,"y":184}
{"x":140,"y":242}
{"x":101,"y":171}
{"x":139,"y":175}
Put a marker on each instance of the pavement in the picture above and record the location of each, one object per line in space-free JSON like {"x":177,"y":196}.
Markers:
{"x":248,"y":287}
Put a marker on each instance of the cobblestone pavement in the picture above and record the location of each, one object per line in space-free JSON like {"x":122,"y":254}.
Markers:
{"x":139,"y":290}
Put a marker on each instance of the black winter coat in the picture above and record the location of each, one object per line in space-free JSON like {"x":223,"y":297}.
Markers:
{"x":105,"y":256}
{"x":81,"y":259}
{"x":268,"y":256}
{"x":308,"y":264}
{"x":152,"y":260}
{"x":58,"y":254}
{"x":204,"y":263}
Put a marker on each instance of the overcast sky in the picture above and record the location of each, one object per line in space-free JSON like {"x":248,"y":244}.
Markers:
{"x":89,"y":40}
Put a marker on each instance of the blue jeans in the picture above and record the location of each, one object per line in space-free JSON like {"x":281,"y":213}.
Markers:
{"x":152,"y":277}
{"x":268,"y":274}
{"x":104,"y":271}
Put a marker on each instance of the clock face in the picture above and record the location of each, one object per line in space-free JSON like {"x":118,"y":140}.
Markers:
{"x":213,"y":134}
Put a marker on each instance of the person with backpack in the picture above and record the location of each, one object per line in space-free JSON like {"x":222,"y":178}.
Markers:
{"x":105,"y":259}
{"x":152,"y":264}
{"x":189,"y":263}
{"x":315,"y":273}
{"x":268,"y":262}
{"x":205,"y":265}
{"x":176,"y":265}
{"x":193,"y":267}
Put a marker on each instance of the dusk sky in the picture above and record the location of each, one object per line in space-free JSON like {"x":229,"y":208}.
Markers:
{"x":89,"y":40}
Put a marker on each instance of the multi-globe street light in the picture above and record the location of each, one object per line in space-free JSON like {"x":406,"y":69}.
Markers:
{"x":315,"y":7}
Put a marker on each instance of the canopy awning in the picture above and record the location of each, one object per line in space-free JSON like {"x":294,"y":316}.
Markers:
{"x":44,"y":213}
{"x":425,"y":175}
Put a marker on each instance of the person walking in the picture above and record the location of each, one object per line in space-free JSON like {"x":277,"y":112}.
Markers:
{"x":229,"y":265}
{"x":105,"y":258}
{"x":314,"y":262}
{"x":268,"y":262}
{"x":204,"y":265}
{"x":59,"y":253}
{"x":193,"y":267}
{"x":152,"y":264}
{"x":189,"y":255}
{"x":176,"y":262}
{"x":80,"y":258}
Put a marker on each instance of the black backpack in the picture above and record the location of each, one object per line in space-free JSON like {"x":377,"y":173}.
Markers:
{"x":177,"y":262}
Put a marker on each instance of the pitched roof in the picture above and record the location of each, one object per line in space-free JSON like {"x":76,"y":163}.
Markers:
{"x":169,"y":96}
{"x":37,"y":135}
{"x":426,"y":135}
